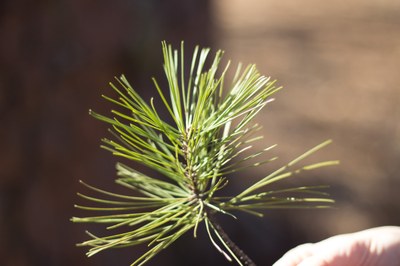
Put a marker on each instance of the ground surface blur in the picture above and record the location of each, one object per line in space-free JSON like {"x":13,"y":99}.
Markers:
{"x":338,"y":63}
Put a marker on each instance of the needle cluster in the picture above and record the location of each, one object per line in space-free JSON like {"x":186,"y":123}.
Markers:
{"x":212,"y":125}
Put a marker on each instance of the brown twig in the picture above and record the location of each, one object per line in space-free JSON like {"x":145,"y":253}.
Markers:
{"x":244,"y":259}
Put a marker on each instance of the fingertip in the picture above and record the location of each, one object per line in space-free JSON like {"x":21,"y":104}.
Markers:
{"x":312,"y":261}
{"x":296,"y":255}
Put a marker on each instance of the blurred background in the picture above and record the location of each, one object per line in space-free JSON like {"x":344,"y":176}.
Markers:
{"x":338,"y":62}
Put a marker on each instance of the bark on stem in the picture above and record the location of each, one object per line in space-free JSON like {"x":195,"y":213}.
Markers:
{"x":244,"y":259}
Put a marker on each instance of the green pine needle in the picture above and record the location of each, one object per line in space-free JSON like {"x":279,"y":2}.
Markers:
{"x":211,"y":128}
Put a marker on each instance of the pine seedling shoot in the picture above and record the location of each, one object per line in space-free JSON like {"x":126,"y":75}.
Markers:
{"x":208,"y":136}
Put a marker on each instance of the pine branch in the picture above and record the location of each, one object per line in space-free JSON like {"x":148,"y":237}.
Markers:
{"x":210,"y":130}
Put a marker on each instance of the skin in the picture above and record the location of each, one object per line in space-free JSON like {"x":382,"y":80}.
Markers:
{"x":373,"y":247}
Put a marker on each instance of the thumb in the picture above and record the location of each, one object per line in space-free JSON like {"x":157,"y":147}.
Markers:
{"x":296,"y":255}
{"x":318,"y":260}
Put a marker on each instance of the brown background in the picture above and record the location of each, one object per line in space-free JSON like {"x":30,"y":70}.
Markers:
{"x":338,"y":62}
